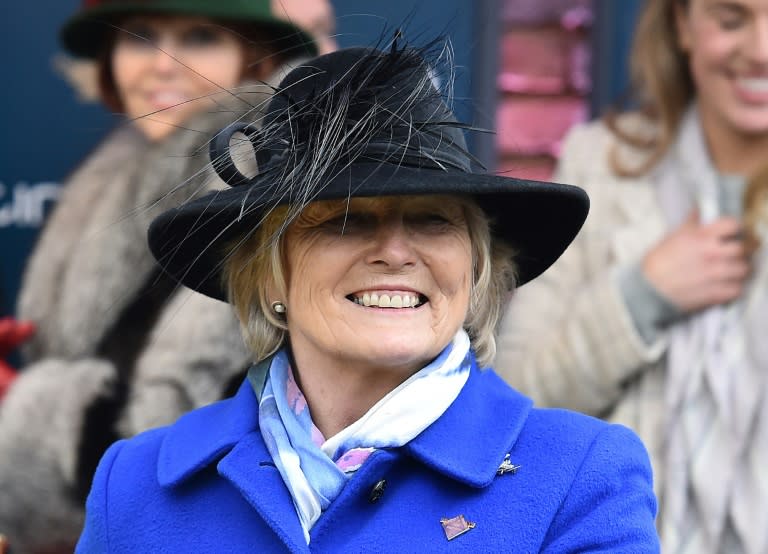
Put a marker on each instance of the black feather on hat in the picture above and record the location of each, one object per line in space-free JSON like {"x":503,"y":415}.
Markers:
{"x":358,"y":122}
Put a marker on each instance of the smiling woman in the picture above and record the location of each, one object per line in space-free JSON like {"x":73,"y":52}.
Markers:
{"x":368,"y":260}
{"x":660,"y":305}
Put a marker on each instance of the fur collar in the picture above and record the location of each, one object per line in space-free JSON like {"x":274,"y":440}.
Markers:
{"x":92,"y":258}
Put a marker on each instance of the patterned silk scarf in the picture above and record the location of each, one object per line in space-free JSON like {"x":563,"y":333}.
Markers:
{"x":315,"y":469}
{"x":715,"y":490}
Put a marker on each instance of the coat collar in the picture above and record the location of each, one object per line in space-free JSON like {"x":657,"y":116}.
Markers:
{"x":201,"y":437}
{"x":470,"y":440}
{"x":467,"y":443}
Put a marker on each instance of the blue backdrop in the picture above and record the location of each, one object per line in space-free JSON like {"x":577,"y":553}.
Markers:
{"x":611,"y":42}
{"x":45,"y":130}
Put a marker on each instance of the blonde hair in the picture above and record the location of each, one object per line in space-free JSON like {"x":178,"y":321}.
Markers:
{"x":755,"y":203}
{"x":661,"y":84}
{"x":255,"y":270}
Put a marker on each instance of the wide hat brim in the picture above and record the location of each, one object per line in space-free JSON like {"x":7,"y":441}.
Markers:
{"x":538,"y":219}
{"x":86,"y":33}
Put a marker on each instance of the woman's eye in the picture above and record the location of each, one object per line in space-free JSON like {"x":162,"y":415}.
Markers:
{"x":429,"y":220}
{"x":350,"y":222}
{"x":730,"y":23}
{"x":730,"y":18}
{"x":201,"y":36}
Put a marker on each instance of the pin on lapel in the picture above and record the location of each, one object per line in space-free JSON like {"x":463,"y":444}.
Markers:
{"x":507,"y":467}
{"x":455,"y":526}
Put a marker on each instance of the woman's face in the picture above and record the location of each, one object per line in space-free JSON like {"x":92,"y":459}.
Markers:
{"x":164,"y":69}
{"x":727,"y":45}
{"x":380,"y":283}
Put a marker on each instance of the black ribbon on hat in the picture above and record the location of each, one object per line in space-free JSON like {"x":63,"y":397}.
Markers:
{"x":432,"y":151}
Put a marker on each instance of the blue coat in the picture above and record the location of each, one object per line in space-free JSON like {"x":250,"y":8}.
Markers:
{"x":207,"y":484}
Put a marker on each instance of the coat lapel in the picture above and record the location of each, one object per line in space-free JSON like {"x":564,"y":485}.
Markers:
{"x":228,"y":433}
{"x":250,"y":468}
{"x":459,"y":446}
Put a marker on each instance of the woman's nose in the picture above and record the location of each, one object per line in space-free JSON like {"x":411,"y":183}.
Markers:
{"x":757,"y":43}
{"x":165,"y":61}
{"x":166,"y":55}
{"x":392,"y":245}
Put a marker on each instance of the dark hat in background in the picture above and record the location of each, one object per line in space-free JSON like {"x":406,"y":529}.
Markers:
{"x":85,"y":34}
{"x":358,"y":123}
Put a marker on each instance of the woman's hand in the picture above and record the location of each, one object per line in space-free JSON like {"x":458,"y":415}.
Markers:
{"x":699,"y":265}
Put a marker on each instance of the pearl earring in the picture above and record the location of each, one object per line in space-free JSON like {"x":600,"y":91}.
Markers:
{"x":278,"y":307}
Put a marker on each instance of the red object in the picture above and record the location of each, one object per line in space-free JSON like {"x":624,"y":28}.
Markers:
{"x":12,"y":334}
{"x":7,"y":375}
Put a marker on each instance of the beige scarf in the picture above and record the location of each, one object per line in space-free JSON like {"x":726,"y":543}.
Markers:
{"x":715,"y":491}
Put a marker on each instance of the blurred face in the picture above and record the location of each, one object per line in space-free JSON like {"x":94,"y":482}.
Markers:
{"x":164,"y":69}
{"x":727,"y":44}
{"x":314,"y":16}
{"x":379,"y":283}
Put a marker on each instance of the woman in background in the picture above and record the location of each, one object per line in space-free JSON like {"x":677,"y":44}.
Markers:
{"x":656,"y":316}
{"x":118,"y":348}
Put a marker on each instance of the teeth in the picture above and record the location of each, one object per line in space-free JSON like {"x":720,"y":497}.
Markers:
{"x":387,"y":301}
{"x":168,"y":98}
{"x":755,"y":84}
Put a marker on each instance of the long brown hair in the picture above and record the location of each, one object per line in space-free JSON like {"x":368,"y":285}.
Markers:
{"x":661,"y":84}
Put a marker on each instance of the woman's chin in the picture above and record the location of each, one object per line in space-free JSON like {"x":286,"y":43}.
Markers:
{"x":162,"y":122}
{"x":399,"y":354}
{"x":154,"y":130}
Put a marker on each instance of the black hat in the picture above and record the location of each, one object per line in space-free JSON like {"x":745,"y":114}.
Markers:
{"x":358,"y":123}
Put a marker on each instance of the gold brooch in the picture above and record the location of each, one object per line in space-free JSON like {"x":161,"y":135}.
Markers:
{"x":455,"y":526}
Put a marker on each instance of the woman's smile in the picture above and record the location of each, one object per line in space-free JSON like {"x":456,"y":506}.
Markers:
{"x":752,"y":90}
{"x":388,"y":298}
{"x":166,"y":99}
